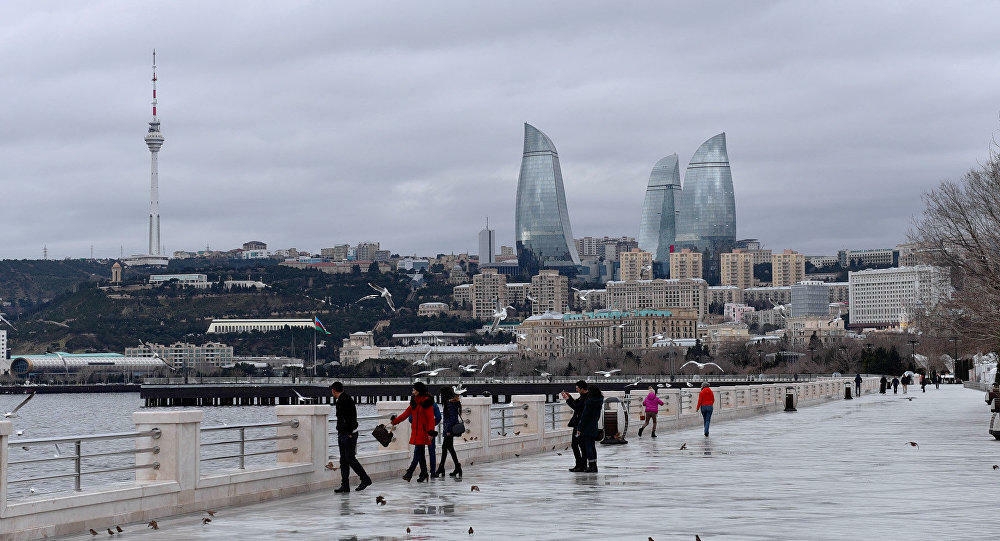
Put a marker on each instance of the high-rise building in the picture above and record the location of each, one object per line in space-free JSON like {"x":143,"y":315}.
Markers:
{"x":541,"y":219}
{"x":887,"y":297}
{"x":878,"y":257}
{"x":636,"y":265}
{"x":736,"y":268}
{"x":810,"y":298}
{"x":707,"y":218}
{"x":336,"y":253}
{"x":686,"y":263}
{"x":365,"y":251}
{"x":550,"y":291}
{"x":658,"y":294}
{"x":657,"y":226}
{"x":487,"y":245}
{"x":488,"y":288}
{"x":787,"y":268}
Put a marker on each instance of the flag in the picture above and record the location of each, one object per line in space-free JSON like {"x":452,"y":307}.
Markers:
{"x":319,"y":325}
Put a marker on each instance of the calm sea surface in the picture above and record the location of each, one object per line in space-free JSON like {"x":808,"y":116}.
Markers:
{"x":66,"y":415}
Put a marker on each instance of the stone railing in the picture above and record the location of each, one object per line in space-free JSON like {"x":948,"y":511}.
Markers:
{"x":168,"y":479}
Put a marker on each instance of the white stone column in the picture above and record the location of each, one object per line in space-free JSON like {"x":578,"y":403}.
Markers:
{"x":386,"y":408}
{"x":179,"y":443}
{"x":6,"y":429}
{"x":313,"y":434}
{"x":476,"y":414}
{"x":535,"y":413}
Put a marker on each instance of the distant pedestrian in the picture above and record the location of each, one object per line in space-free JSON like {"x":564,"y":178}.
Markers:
{"x":895,"y":385}
{"x":421,"y":428}
{"x":651,"y":404}
{"x":576,"y":404}
{"x":857,"y":384}
{"x":936,"y":378}
{"x":923,"y":383}
{"x":906,"y":382}
{"x":706,"y":401}
{"x":347,"y":439}
{"x":882,"y":384}
{"x":452,"y":404}
{"x":590,"y":416}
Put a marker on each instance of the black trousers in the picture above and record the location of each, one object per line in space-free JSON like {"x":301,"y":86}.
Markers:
{"x":448,"y":447}
{"x":577,"y":444}
{"x":348,"y":446}
{"x":589,"y":445}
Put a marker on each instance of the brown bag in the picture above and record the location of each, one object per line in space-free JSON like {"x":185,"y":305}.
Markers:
{"x":382,"y":435}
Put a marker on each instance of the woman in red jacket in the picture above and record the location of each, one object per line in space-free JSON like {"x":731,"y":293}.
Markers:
{"x":706,"y":399}
{"x":421,"y":415}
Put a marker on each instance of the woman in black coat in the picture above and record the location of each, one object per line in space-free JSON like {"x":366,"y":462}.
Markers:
{"x":588,"y":431}
{"x":450,"y":416}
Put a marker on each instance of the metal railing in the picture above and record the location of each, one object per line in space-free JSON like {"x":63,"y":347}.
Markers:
{"x":366,"y":423}
{"x":78,"y":457}
{"x":509,"y":416}
{"x":254,"y":441}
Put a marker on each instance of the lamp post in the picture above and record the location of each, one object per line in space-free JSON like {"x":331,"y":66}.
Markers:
{"x":954,"y":340}
{"x":913,"y":355}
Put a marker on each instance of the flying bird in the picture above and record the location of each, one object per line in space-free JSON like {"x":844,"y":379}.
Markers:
{"x":499,"y":314}
{"x":490,"y":362}
{"x":582,"y":294}
{"x":634,"y":383}
{"x":521,"y":336}
{"x":432,"y":373}
{"x":425,"y":361}
{"x":913,"y":444}
{"x":459,"y":390}
{"x":592,"y":340}
{"x":701,"y":366}
{"x":468,"y":368}
{"x":13,"y":412}
{"x":368,"y":297}
{"x":543,"y":373}
{"x":384,"y":293}
{"x":302,"y":399}
{"x":529,"y":298}
{"x":607,"y":373}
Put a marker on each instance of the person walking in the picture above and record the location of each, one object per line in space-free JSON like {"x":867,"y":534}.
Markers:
{"x":857,"y":384}
{"x":347,"y":439}
{"x":452,"y":404}
{"x":905,"y":382}
{"x":882,"y":384}
{"x":421,"y":409}
{"x":895,"y":385}
{"x":576,"y":404}
{"x":936,"y":379}
{"x":706,"y":401}
{"x":923,"y":383}
{"x":590,"y":416}
{"x":652,"y":405}
{"x":431,"y":447}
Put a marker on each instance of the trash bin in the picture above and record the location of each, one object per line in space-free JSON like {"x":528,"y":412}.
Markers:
{"x":790,"y":399}
{"x":847,"y":391}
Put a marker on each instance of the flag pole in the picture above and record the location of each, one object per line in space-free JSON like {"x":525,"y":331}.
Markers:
{"x":314,"y":347}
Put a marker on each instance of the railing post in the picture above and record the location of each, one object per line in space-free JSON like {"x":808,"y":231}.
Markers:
{"x":6,"y":428}
{"x":312,"y":434}
{"x":477,"y":420}
{"x":77,"y":464}
{"x":179,"y":442}
{"x":535,"y":412}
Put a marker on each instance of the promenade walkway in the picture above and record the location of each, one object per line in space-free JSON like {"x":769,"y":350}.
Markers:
{"x":842,"y":470}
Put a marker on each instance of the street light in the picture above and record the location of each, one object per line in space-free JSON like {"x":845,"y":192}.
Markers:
{"x":954,"y":340}
{"x":913,"y":355}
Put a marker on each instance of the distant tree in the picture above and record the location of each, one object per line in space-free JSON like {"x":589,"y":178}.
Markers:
{"x":762,"y":272}
{"x":373,"y":270}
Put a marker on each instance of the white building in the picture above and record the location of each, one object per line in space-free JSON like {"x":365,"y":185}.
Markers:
{"x":880,"y":297}
{"x":4,"y":363}
{"x":810,"y":298}
{"x":487,"y":245}
{"x":181,"y":354}
{"x":263,"y":325}
{"x":187,"y":280}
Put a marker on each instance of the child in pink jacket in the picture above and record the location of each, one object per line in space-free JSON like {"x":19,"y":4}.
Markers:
{"x":652,"y":405}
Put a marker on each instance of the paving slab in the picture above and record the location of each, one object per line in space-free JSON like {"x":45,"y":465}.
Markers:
{"x":835,"y":471}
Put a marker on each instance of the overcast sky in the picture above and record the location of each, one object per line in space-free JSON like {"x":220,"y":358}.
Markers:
{"x":312,"y":124}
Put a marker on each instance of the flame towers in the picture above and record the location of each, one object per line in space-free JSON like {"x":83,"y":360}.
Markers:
{"x":541,"y":220}
{"x":657,"y":227}
{"x":707,"y":220}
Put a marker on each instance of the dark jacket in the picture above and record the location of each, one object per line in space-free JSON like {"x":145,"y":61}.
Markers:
{"x":590,"y":414}
{"x":576,"y":404}
{"x":347,"y":414}
{"x":450,"y":417}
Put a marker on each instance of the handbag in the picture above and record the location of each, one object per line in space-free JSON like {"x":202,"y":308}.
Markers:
{"x":458,"y":428}
{"x":382,"y":435}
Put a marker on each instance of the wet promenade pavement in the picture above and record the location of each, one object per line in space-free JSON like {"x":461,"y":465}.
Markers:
{"x":842,"y":470}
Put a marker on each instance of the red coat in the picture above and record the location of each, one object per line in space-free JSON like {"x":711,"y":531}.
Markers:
{"x":705,"y":398}
{"x":422,"y":410}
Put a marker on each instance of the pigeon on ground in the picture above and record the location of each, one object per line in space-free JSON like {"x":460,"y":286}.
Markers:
{"x":913,"y":444}
{"x":93,"y":531}
{"x":205,"y":521}
{"x":474,"y":488}
{"x":153,"y":524}
{"x":684,"y":446}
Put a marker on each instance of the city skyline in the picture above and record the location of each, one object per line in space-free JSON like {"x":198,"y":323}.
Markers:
{"x":310,"y":126}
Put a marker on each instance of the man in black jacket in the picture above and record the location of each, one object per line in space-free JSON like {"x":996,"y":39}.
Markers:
{"x":347,"y":439}
{"x":576,"y":404}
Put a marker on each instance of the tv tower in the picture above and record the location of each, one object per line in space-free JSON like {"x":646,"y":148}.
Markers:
{"x":154,"y":140}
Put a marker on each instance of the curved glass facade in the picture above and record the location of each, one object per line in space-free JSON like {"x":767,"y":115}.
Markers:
{"x":657,"y":227}
{"x":707,"y":218}
{"x":541,"y":220}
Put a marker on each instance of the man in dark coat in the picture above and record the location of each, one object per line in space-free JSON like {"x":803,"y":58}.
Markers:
{"x":347,"y":439}
{"x":589,"y":432}
{"x":576,"y":404}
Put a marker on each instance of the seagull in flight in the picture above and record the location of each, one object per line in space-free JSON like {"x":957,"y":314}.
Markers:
{"x":582,"y":294}
{"x":592,"y":340}
{"x":543,"y":373}
{"x":13,"y":412}
{"x":634,"y":383}
{"x":302,"y":399}
{"x":432,"y":373}
{"x":499,"y":314}
{"x":607,"y":373}
{"x":459,"y":390}
{"x":521,"y":336}
{"x":530,"y":299}
{"x":425,"y":361}
{"x":468,"y":368}
{"x":490,"y":362}
{"x":384,"y":293}
{"x":5,"y":320}
{"x":701,"y":366}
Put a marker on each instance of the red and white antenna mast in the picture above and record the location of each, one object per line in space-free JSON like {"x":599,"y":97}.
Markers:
{"x":154,"y":140}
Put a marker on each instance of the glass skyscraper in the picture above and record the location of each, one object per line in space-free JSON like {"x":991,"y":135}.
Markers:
{"x":707,"y":220}
{"x":657,"y":227}
{"x":541,"y":220}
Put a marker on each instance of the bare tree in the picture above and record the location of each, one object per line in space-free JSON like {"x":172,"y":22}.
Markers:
{"x":960,"y":229}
